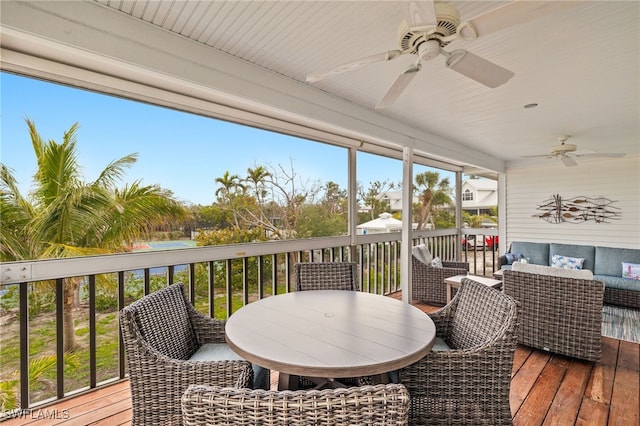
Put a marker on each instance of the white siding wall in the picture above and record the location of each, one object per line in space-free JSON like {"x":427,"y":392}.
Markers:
{"x":615,"y":179}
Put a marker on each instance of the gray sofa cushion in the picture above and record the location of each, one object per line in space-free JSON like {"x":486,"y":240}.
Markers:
{"x":588,"y":253}
{"x":609,"y":260}
{"x":537,"y":253}
{"x":618,"y":282}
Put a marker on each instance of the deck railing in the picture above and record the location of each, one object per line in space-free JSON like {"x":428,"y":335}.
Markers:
{"x":35,"y":296}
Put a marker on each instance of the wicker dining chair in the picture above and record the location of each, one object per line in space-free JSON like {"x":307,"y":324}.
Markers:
{"x":466,"y":377}
{"x":427,"y":282}
{"x":365,"y":405}
{"x":326,"y":276}
{"x":161,"y":332}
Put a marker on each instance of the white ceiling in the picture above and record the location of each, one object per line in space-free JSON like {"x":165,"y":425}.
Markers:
{"x":581,"y":65}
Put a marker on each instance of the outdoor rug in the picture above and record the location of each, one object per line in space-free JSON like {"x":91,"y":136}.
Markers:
{"x":621,"y":323}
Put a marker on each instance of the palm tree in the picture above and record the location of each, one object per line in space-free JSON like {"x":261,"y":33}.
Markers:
{"x":228,"y":185}
{"x":434,"y":192}
{"x":65,"y":216}
{"x":257,"y":178}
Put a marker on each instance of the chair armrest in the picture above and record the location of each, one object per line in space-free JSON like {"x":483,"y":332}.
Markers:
{"x":456,"y":265}
{"x":207,"y":329}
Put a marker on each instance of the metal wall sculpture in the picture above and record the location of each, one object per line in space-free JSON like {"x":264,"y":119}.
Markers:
{"x":577,"y":210}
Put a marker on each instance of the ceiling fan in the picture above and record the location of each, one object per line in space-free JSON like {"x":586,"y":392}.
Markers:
{"x":565,"y":152}
{"x":430,"y":26}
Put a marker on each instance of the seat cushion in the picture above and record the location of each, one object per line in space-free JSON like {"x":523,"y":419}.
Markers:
{"x":221,"y":352}
{"x":441,"y":345}
{"x":618,"y":282}
{"x":215,"y":352}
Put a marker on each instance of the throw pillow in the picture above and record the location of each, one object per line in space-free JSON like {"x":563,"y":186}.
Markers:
{"x":566,"y":262}
{"x":513,"y":257}
{"x":436,"y":263}
{"x":421,"y":252}
{"x":631,"y":270}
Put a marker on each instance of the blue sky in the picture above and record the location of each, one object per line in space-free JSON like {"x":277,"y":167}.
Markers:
{"x":179,"y":151}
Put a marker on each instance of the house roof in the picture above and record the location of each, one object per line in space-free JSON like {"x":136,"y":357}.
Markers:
{"x":384,"y":221}
{"x":482,"y":184}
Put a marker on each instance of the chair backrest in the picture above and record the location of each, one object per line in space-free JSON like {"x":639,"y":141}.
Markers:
{"x":366,"y":405}
{"x":326,"y":276}
{"x":162,"y":320}
{"x":482,"y":314}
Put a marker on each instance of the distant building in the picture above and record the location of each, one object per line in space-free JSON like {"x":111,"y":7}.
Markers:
{"x":479,"y":196}
{"x":394,"y":198}
{"x":384,"y":223}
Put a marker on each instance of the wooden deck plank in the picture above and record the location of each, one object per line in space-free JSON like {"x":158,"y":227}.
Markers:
{"x":524,"y":379}
{"x":539,"y":399}
{"x":121,"y":415}
{"x":595,"y":404}
{"x":566,"y":404}
{"x":519,"y":358}
{"x":69,"y":408}
{"x":626,"y":386}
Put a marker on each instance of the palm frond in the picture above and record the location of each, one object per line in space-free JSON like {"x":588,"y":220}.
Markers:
{"x":115,"y":171}
{"x":16,"y":211}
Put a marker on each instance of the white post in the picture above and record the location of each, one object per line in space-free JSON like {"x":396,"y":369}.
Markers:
{"x":407,"y":220}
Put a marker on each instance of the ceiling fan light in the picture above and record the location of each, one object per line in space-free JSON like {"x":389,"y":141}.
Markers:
{"x":478,"y":69}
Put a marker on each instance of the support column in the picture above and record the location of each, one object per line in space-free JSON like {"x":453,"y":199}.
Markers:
{"x":407,"y":220}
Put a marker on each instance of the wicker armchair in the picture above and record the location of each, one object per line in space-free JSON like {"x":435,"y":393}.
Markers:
{"x":326,"y":276}
{"x":161,"y":332}
{"x":468,"y":380}
{"x":366,"y":405}
{"x":558,"y":314}
{"x":427,"y":282}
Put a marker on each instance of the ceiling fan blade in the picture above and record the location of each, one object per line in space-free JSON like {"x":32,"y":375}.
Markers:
{"x":378,"y":57}
{"x":568,"y":161}
{"x":514,"y":13}
{"x":419,"y":13}
{"x":537,"y":156}
{"x":398,"y":86}
{"x":601,"y":155}
{"x":478,"y":69}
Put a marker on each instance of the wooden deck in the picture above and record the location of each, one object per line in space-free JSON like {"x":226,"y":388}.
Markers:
{"x":546,"y":389}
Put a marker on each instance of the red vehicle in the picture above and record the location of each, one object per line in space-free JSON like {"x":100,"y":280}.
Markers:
{"x":473,"y":241}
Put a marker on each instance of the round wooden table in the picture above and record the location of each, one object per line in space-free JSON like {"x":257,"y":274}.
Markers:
{"x":330,"y":333}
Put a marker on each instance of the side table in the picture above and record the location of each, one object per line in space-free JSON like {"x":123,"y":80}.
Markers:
{"x":455,"y":281}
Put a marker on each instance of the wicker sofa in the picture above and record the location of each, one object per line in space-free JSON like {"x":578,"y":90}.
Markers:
{"x":559,"y":314}
{"x":604,"y":262}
